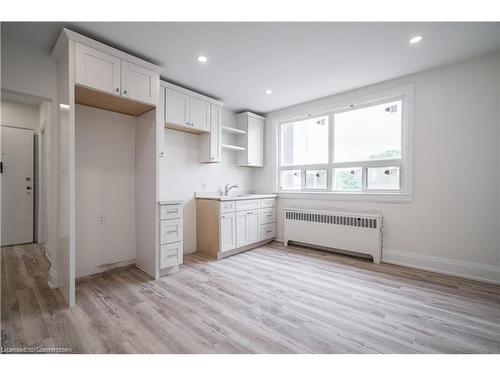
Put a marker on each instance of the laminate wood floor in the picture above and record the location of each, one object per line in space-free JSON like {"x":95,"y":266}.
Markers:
{"x":267,"y":300}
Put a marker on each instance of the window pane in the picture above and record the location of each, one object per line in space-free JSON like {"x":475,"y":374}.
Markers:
{"x":305,"y":142}
{"x":385,"y":178}
{"x":347,"y":179}
{"x":291,"y":180}
{"x":370,"y":133}
{"x":316,"y":179}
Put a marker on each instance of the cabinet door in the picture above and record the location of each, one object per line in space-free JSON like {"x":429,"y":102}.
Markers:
{"x":241,"y":229}
{"x":176,"y":108}
{"x":255,"y":146}
{"x":199,"y":114}
{"x":228,"y":232}
{"x":97,"y":70}
{"x":215,"y":133}
{"x":253,"y":227}
{"x":139,"y":83}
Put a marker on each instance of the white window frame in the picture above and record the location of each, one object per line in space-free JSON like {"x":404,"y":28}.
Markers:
{"x":404,"y":194}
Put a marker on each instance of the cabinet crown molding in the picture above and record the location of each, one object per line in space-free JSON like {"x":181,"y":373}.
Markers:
{"x":67,"y":35}
{"x":190,"y":93}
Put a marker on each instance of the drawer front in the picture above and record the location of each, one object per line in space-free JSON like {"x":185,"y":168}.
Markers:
{"x":245,"y":205}
{"x":227,"y":207}
{"x":267,"y":231}
{"x":267,"y":215}
{"x":170,"y":231}
{"x":170,"y":211}
{"x":171,"y":254}
{"x":268,"y":202}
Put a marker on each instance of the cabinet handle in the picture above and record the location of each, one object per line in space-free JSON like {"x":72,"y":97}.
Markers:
{"x":171,"y":211}
{"x":124,"y":92}
{"x":117,"y":89}
{"x":269,"y":231}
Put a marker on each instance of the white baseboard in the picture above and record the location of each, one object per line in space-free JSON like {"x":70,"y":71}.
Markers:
{"x":454,"y":267}
{"x":103,"y":268}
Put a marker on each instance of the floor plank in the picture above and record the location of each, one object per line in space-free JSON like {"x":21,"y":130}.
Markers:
{"x":268,"y":300}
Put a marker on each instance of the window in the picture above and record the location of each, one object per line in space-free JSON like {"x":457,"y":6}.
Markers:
{"x":354,"y":149}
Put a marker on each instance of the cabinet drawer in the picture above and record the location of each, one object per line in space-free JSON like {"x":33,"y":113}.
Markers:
{"x":171,"y":254}
{"x":267,"y":231}
{"x":170,"y":231}
{"x":170,"y":211}
{"x":226,"y":207}
{"x":244,"y":205}
{"x":267,"y":215}
{"x":268,"y":202}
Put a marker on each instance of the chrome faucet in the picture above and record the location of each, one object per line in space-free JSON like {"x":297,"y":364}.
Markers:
{"x":228,"y":187}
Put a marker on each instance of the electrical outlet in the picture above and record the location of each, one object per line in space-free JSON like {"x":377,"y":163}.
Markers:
{"x":101,"y":219}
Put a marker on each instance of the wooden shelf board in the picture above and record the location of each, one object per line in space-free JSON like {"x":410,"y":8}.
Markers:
{"x":227,"y":129}
{"x":232,"y":147}
{"x":97,"y":99}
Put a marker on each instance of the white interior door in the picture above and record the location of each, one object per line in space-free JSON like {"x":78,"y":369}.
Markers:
{"x":17,"y":185}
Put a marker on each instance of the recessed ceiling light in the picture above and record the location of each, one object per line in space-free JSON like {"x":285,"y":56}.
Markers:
{"x":269,"y":91}
{"x":202,"y":59}
{"x":416,"y":39}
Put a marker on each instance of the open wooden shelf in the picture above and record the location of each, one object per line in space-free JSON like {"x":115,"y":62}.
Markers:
{"x":114,"y":103}
{"x":233,"y":147}
{"x":227,"y":129}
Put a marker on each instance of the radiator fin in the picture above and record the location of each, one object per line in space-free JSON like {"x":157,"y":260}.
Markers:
{"x":361,"y":222}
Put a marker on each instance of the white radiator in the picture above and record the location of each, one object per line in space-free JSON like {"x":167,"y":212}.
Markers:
{"x":359,"y":233}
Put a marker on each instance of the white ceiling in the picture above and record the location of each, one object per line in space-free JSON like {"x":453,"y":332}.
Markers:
{"x":298,"y":61}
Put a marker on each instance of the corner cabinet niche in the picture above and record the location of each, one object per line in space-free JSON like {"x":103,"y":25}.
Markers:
{"x":92,"y":76}
{"x":253,"y":139}
{"x":190,"y":112}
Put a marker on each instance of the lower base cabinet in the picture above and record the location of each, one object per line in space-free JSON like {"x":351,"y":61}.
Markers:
{"x":224,"y":227}
{"x":171,"y":232}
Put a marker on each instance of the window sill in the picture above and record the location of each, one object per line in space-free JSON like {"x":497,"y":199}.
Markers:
{"x":353,"y":197}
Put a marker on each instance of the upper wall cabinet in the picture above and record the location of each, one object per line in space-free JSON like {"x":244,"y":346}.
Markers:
{"x":139,"y":83}
{"x":109,"y":74}
{"x":97,"y":69}
{"x":187,"y":110}
{"x":176,"y":108}
{"x":211,"y":143}
{"x":253,"y":125}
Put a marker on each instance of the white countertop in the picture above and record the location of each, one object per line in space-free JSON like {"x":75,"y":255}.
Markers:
{"x":236,"y":197}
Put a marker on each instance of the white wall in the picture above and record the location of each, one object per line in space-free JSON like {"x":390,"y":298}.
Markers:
{"x":452,"y":223}
{"x":19,"y":115}
{"x":105,"y":185}
{"x":181,"y":174}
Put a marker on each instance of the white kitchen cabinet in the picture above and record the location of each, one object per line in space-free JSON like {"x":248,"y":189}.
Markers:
{"x":228,"y":232}
{"x":247,"y":228}
{"x":97,"y":70}
{"x":110,"y":74}
{"x":176,"y":108}
{"x":253,"y":227}
{"x":253,"y":125}
{"x":171,"y":237}
{"x":139,"y":83}
{"x":199,"y":114}
{"x":211,"y":143}
{"x":225,"y":227}
{"x":186,"y":110}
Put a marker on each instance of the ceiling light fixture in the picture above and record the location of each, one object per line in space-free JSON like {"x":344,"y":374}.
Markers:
{"x":416,"y":39}
{"x":269,"y":91}
{"x":202,"y":59}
